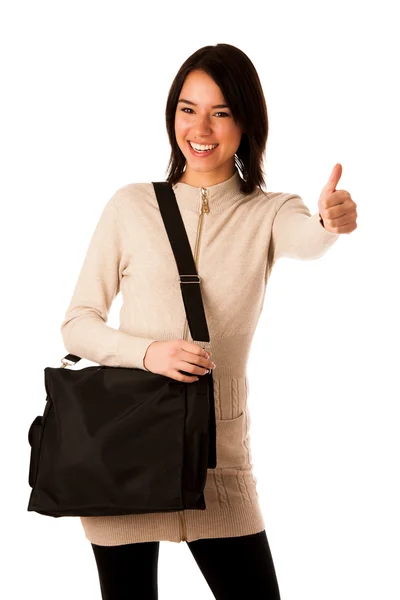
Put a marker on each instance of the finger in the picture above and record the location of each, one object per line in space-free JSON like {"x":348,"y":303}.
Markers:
{"x":193,"y":348}
{"x":340,"y":209}
{"x":334,"y":177}
{"x":336,"y":212}
{"x":345,"y":228}
{"x":201,"y":361}
{"x":192,"y":368}
{"x":185,"y":378}
{"x":338,"y":198}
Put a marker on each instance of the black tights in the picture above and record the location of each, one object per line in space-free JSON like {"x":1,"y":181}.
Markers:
{"x":234,"y":568}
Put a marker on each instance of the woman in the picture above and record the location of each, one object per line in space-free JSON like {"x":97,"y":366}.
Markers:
{"x":217,"y":123}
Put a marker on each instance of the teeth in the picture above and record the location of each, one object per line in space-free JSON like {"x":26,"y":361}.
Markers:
{"x":199,"y":147}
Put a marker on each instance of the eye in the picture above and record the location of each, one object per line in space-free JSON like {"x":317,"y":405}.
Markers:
{"x":218,"y":113}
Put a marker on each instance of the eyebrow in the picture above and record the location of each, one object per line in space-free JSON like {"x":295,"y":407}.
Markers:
{"x":193,"y":104}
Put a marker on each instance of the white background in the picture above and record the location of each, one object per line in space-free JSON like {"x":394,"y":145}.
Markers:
{"x":84,"y":86}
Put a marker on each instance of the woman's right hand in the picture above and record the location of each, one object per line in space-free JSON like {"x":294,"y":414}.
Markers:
{"x":170,"y":357}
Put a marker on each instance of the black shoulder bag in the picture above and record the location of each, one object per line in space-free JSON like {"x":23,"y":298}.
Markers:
{"x":116,"y":440}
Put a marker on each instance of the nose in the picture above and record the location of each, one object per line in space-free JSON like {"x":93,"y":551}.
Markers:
{"x":202,"y":127}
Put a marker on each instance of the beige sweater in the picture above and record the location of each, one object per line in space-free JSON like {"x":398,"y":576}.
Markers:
{"x":239,"y":240}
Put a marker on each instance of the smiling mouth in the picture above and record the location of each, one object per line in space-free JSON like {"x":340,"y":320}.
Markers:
{"x":211,"y":144}
{"x":202,"y":152}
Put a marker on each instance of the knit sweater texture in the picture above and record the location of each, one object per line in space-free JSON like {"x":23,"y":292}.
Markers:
{"x":235,"y":245}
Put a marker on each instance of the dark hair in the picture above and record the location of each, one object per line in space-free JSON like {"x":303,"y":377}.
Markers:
{"x":236,"y":76}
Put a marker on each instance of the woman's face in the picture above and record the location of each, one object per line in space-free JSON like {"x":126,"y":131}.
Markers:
{"x":197,"y":121}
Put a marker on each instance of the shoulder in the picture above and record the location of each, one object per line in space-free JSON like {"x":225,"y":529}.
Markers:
{"x":132,"y":194}
{"x":278,"y":199}
{"x":273,"y":201}
{"x":272,"y":197}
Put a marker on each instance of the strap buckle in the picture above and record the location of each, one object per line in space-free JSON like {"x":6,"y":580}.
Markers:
{"x":66,"y":363}
{"x":197,"y":277}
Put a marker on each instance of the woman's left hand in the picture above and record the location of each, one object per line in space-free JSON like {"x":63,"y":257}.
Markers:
{"x":336,"y":208}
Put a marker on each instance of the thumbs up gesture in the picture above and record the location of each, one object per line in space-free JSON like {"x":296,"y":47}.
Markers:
{"x":336,"y":208}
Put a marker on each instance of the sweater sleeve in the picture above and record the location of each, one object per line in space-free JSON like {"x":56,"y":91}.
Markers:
{"x":84,"y":329}
{"x":298,"y":234}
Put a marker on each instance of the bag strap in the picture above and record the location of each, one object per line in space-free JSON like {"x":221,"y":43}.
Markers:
{"x":180,"y":245}
{"x":181,"y":249}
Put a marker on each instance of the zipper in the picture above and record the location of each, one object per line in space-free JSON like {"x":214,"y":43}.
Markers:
{"x":205,"y":208}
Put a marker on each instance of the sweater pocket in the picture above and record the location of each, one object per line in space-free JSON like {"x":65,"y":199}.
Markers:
{"x":231,"y":450}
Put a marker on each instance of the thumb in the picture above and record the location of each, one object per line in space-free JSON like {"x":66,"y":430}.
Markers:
{"x":334,"y":178}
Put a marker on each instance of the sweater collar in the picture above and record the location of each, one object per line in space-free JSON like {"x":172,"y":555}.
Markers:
{"x":220,"y":196}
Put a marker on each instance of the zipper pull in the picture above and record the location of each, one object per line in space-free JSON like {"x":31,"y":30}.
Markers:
{"x":205,"y":207}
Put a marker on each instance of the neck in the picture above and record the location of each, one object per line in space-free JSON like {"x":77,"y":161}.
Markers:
{"x":206,"y":179}
{"x":220,"y":196}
